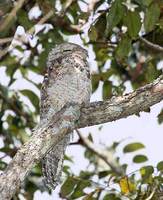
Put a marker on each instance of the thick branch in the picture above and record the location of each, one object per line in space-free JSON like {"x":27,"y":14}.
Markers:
{"x":48,"y":134}
{"x":122,"y":106}
{"x":44,"y":136}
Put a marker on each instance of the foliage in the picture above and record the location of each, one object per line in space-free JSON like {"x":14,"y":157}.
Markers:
{"x":113,"y":33}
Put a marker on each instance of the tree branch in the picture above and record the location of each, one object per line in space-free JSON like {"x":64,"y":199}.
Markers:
{"x":92,"y":4}
{"x":58,"y":20}
{"x":50,"y":133}
{"x":12,"y":14}
{"x":44,"y":136}
{"x":21,"y":38}
{"x":123,"y":106}
{"x":151,"y":45}
{"x":152,"y":194}
{"x":106,"y":156}
{"x":5,"y":40}
{"x":12,"y":104}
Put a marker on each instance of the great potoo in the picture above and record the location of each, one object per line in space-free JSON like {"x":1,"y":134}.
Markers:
{"x":67,"y":81}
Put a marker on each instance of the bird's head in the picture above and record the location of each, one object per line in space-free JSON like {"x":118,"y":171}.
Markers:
{"x":64,"y":49}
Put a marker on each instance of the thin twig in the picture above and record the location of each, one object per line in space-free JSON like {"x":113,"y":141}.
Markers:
{"x":91,"y":5}
{"x":5,"y":40}
{"x":3,"y":52}
{"x":42,"y":21}
{"x":65,"y":8}
{"x":3,"y":156}
{"x":106,"y":156}
{"x":30,"y":31}
{"x":13,"y":106}
{"x":12,"y":14}
{"x":152,"y":45}
{"x":152,"y":193}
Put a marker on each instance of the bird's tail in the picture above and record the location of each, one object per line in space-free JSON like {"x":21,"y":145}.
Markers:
{"x":52,"y":163}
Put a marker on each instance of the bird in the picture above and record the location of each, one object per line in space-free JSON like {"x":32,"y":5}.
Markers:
{"x":67,"y":81}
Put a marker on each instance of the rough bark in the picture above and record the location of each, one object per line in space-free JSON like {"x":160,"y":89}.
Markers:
{"x":46,"y":135}
{"x":122,"y":106}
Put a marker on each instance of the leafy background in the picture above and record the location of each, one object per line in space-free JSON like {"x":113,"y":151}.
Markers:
{"x":114,"y":33}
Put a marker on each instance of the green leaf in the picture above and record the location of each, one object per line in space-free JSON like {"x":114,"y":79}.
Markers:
{"x":105,"y":75}
{"x":151,"y":72}
{"x":3,"y":165}
{"x":6,"y":149}
{"x":147,"y":169}
{"x":95,"y":78}
{"x":68,"y":186}
{"x":111,"y":196}
{"x":107,"y":89}
{"x":66,"y":170}
{"x":78,"y":192}
{"x":151,"y":17}
{"x":89,"y":155}
{"x":90,"y":196}
{"x":115,"y":14}
{"x":90,"y":137}
{"x":36,"y":171}
{"x":31,"y":187}
{"x":32,"y":96}
{"x":123,"y":48}
{"x":115,"y":145}
{"x":144,"y":2}
{"x":133,"y":22}
{"x":103,"y":174}
{"x":160,"y":117}
{"x":133,"y":147}
{"x":68,"y":158}
{"x":140,"y":159}
{"x":24,"y":20}
{"x":160,"y":166}
{"x":146,"y":173}
{"x":23,"y":135}
{"x":100,"y":27}
{"x":93,"y":34}
{"x":86,"y":174}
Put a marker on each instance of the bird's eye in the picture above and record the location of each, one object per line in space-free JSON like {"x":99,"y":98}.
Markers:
{"x":66,"y":50}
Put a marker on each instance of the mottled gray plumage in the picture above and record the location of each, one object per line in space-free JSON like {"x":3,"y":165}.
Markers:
{"x":67,"y":81}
